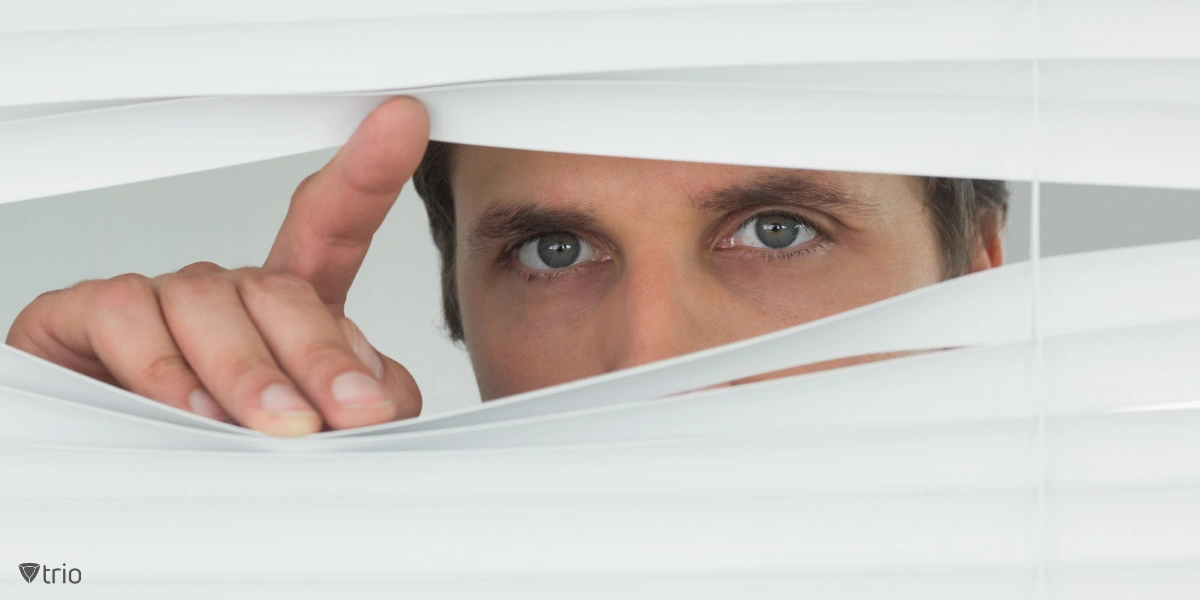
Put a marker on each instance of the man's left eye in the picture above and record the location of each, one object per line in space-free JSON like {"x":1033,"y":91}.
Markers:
{"x":557,"y":250}
{"x":774,"y":231}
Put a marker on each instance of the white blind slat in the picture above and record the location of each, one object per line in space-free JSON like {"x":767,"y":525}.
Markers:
{"x":379,"y":54}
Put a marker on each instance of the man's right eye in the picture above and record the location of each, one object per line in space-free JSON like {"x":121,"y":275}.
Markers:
{"x":557,"y":250}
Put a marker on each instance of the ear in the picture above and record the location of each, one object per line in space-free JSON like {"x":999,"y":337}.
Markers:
{"x":989,"y":248}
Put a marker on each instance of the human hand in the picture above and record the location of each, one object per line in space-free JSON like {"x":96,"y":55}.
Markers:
{"x":269,"y":348}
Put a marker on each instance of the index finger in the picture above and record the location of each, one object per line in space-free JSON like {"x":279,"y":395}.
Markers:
{"x":335,"y":212}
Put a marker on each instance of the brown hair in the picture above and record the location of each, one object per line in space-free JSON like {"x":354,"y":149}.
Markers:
{"x":961,"y":209}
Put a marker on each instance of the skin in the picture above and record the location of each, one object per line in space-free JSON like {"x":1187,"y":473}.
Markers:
{"x":670,"y":268}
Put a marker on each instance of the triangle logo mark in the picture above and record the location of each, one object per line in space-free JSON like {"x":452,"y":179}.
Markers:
{"x":29,"y":571}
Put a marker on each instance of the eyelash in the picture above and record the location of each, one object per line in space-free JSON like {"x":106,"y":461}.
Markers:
{"x":789,"y":255}
{"x":819,"y":242}
{"x":508,"y":257}
{"x":532,"y":276}
{"x":506,"y":254}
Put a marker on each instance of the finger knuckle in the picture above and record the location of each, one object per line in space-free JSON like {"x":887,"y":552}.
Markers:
{"x":201,"y":267}
{"x":123,"y":292}
{"x":19,"y":335}
{"x":29,"y":326}
{"x":321,"y":352}
{"x":263,"y":282}
{"x":303,"y":185}
{"x":43,"y":299}
{"x":349,"y":330}
{"x":192,"y":285}
{"x":165,"y":368}
{"x":83,"y":289}
{"x":246,"y":367}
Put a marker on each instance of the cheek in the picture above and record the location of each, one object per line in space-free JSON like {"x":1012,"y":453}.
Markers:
{"x":784,"y":294}
{"x":772,"y":296}
{"x":512,"y":365}
{"x":527,"y":335}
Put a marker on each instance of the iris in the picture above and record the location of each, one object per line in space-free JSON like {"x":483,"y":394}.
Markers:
{"x":777,"y":231}
{"x":558,"y":250}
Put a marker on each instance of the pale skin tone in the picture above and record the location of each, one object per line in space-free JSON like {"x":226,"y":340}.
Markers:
{"x":648,"y":259}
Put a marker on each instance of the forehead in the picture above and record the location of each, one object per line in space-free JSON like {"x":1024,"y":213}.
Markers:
{"x":484,"y":176}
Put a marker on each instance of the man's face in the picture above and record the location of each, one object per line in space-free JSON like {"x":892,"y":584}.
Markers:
{"x":571,"y":266}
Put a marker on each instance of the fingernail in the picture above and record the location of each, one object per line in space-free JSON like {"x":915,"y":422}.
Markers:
{"x":280,"y":398}
{"x":204,"y":405}
{"x":357,"y":390}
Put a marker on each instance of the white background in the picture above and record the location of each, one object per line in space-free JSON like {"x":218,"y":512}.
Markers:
{"x":230,"y":216}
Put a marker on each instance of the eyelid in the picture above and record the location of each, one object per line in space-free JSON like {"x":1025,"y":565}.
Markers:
{"x":727,"y":233}
{"x":509,"y":256}
{"x":509,"y":250}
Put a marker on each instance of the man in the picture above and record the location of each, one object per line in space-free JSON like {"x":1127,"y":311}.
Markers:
{"x":555,"y":267}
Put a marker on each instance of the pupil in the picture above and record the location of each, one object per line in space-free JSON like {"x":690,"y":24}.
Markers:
{"x":558,"y":250}
{"x":777,"y":231}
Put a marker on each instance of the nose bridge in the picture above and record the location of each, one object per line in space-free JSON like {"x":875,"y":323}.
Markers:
{"x":656,"y":318}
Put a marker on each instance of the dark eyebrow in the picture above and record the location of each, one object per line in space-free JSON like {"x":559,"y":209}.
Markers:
{"x":787,"y":188}
{"x":510,"y":221}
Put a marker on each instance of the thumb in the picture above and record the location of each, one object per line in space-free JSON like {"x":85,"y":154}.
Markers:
{"x":335,"y":212}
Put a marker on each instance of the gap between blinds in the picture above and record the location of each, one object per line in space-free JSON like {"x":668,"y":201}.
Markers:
{"x":1047,"y":451}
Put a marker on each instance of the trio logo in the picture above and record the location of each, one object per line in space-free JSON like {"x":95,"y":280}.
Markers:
{"x":30,"y":572}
